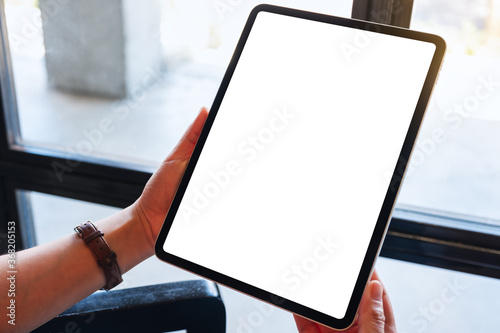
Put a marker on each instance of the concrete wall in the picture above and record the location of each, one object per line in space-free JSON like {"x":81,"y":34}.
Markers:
{"x":101,"y":48}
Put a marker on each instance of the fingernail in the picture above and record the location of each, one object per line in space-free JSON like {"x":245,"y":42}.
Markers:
{"x":376,"y":291}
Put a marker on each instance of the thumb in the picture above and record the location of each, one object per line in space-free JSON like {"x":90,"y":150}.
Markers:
{"x":371,"y":316}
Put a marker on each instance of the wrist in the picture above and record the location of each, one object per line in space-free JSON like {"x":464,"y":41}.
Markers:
{"x":141,"y":219}
{"x":126,"y":236}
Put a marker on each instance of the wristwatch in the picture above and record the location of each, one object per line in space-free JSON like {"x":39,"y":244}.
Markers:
{"x":106,"y":258}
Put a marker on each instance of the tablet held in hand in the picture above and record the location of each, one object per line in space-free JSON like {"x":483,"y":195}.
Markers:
{"x":290,"y":189}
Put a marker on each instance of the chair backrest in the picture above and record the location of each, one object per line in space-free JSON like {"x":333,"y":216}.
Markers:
{"x":194,"y":306}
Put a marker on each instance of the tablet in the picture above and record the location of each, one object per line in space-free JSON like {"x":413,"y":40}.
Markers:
{"x":290,"y":188}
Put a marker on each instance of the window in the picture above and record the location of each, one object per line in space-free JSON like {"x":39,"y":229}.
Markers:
{"x":453,"y":177}
{"x":455,"y":169}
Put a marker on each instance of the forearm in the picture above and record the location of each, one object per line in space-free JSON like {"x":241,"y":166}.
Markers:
{"x":53,"y":277}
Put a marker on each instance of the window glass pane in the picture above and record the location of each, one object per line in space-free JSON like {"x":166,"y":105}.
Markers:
{"x":427,"y":299}
{"x":94,"y":84}
{"x":455,"y":167}
{"x":55,"y":217}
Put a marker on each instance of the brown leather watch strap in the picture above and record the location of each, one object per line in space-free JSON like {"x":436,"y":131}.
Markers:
{"x":106,"y":258}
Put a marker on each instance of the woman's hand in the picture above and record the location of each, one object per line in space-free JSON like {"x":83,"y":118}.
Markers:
{"x":375,"y":313}
{"x":154,"y":203}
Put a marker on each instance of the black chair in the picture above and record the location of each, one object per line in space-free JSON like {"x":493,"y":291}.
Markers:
{"x":194,"y":306}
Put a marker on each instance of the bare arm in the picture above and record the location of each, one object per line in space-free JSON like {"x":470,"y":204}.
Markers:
{"x":52,"y":277}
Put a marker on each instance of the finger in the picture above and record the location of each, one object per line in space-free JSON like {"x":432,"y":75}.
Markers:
{"x":390,"y":320}
{"x":376,"y":276}
{"x":156,"y":196}
{"x":371,"y":317}
{"x":185,"y":147}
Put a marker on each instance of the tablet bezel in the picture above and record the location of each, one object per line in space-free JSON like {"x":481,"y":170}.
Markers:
{"x":391,"y":194}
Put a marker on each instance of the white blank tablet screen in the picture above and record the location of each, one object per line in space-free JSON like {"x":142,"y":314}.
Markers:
{"x":291,"y":180}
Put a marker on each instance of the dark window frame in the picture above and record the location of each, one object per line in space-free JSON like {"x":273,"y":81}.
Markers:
{"x":32,"y":169}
